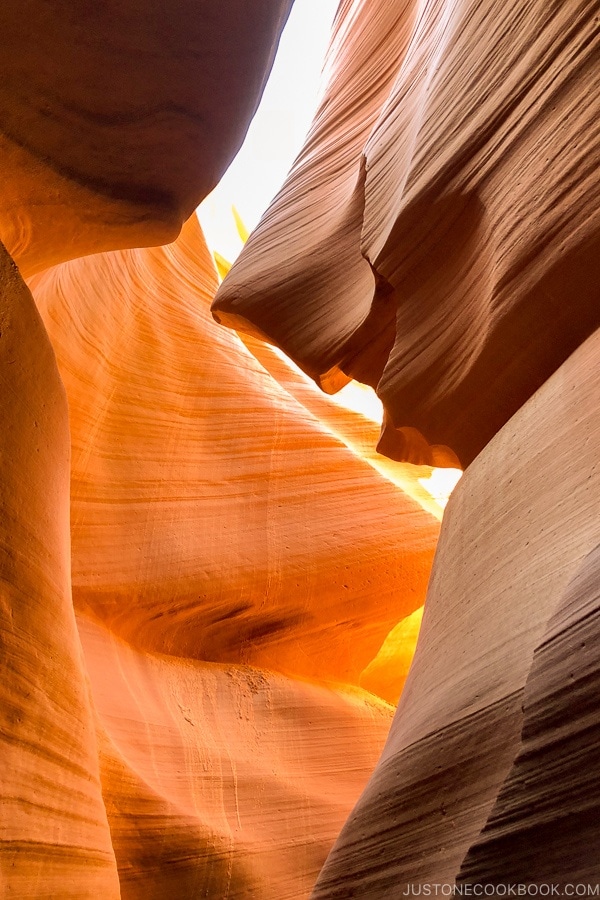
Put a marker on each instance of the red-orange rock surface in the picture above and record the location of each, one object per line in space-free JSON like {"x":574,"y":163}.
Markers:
{"x":301,"y":278}
{"x":116,"y":119}
{"x":224,"y":512}
{"x":223,"y":781}
{"x":54,"y":836}
{"x":213,"y":515}
{"x":456,"y":149}
{"x":517,"y":530}
{"x":184,"y":706}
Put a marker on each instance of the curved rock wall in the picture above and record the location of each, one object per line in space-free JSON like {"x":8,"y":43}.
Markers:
{"x":184,"y":705}
{"x":54,"y":836}
{"x":225,"y":516}
{"x":214,"y":515}
{"x":456,"y":152}
{"x":223,"y":781}
{"x":517,"y":530}
{"x":544,"y":825}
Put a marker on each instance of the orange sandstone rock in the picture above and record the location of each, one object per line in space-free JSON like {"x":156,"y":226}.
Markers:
{"x":386,"y":674}
{"x":224,"y":781}
{"x":132,"y":773}
{"x":457,"y":150}
{"x":116,"y":119}
{"x":223,"y":513}
{"x":214,"y":516}
{"x":516,"y":531}
{"x":54,"y":836}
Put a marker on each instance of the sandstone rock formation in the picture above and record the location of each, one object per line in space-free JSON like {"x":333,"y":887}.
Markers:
{"x":188,"y":655}
{"x":127,"y":773}
{"x":438,"y":235}
{"x":213,"y":515}
{"x":54,"y":835}
{"x":479,"y":718}
{"x":116,"y":119}
{"x":222,"y":514}
{"x":223,"y":781}
{"x":438,"y":238}
{"x":544,"y":825}
{"x":301,"y":279}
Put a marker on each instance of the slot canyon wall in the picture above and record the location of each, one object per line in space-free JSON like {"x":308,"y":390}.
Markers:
{"x":210,"y":580}
{"x":439,"y":238}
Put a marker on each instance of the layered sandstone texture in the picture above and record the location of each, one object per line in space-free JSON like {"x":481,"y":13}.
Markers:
{"x":238,"y":557}
{"x":54,"y":833}
{"x":544,"y":824}
{"x":214,"y":514}
{"x":198,"y":647}
{"x":116,"y":118}
{"x":437,"y":237}
{"x":183,"y":647}
{"x":223,"y":781}
{"x":491,"y":766}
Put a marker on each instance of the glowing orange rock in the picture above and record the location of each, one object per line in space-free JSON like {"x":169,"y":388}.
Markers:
{"x":213,"y":515}
{"x":54,"y":837}
{"x":438,"y":235}
{"x":223,"y":512}
{"x":386,"y":674}
{"x":223,"y":781}
{"x":516,"y":531}
{"x":118,"y":118}
{"x":137,"y":774}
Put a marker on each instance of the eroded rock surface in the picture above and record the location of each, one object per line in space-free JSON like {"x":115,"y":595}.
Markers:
{"x":223,"y":781}
{"x":54,"y":836}
{"x":214,"y":516}
{"x":226,"y":515}
{"x":438,"y":236}
{"x":544,"y":825}
{"x":243,"y":563}
{"x":517,"y":529}
{"x":117,"y":119}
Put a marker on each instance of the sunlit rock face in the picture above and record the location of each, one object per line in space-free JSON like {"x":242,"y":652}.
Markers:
{"x":301,"y":278}
{"x":495,"y":734}
{"x":438,"y":235}
{"x":223,"y":781}
{"x":214,"y":515}
{"x":239,"y":556}
{"x":116,"y":119}
{"x":190,"y":664}
{"x":182,"y":659}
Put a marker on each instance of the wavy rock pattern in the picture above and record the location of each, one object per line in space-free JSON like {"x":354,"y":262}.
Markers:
{"x":213,"y":514}
{"x":224,"y":512}
{"x":457,"y":149}
{"x":545,"y":824}
{"x":241,"y":562}
{"x":312,"y":229}
{"x":54,"y":837}
{"x":224,"y":781}
{"x":116,"y":119}
{"x":516,"y":531}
